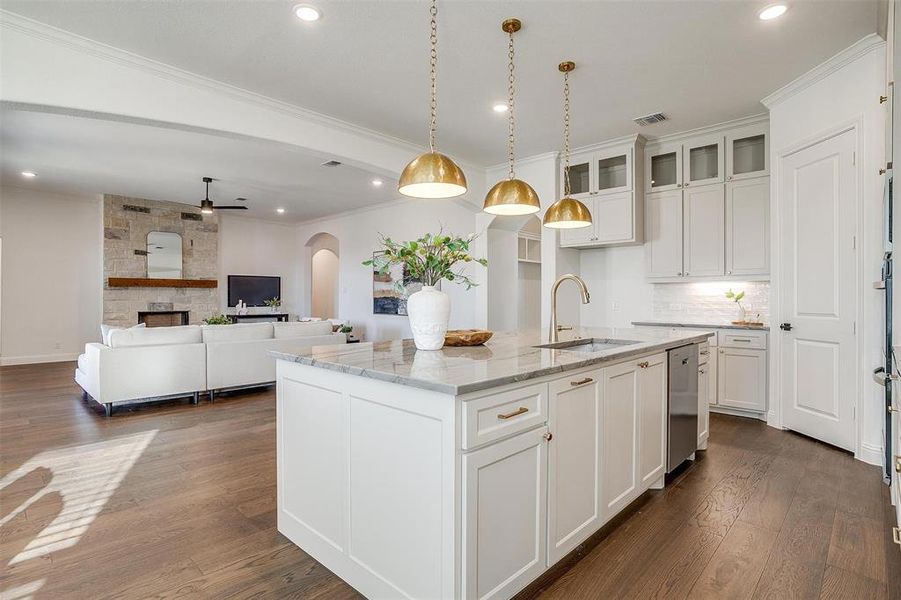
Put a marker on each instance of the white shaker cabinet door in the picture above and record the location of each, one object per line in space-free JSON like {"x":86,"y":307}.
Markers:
{"x":748,"y":227}
{"x":704,"y":231}
{"x":504,"y":516}
{"x":703,"y":409}
{"x":574,"y":462}
{"x":663,"y":234}
{"x":619,"y":453}
{"x":741,"y":377}
{"x":651,"y":419}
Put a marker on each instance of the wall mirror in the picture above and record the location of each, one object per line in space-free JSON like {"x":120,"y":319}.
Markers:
{"x":164,"y":255}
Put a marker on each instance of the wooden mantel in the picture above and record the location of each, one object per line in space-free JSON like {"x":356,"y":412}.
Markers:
{"x":118,"y":282}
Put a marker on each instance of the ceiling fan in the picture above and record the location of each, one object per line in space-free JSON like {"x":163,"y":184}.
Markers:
{"x":206,"y":205}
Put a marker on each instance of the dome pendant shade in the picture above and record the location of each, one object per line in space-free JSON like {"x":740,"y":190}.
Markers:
{"x":432,"y":175}
{"x":567,"y":213}
{"x":511,"y":197}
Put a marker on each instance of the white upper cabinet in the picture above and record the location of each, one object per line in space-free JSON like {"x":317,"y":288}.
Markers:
{"x":663,"y":166}
{"x":664,"y":234}
{"x":747,"y":152}
{"x":748,"y":227}
{"x":704,"y":161}
{"x":605,"y":178}
{"x":703,"y":217}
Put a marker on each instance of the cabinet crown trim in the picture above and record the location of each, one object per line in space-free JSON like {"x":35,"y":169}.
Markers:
{"x":723,"y":128}
{"x":634,"y":139}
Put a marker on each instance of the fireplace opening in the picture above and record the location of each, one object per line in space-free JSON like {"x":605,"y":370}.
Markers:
{"x":163,"y":318}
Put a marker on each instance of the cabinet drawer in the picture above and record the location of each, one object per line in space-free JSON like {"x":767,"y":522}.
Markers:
{"x":745,"y":339}
{"x":703,"y":353}
{"x":497,"y":416}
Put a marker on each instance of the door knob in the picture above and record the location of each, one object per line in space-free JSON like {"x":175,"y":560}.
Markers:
{"x":786,"y":327}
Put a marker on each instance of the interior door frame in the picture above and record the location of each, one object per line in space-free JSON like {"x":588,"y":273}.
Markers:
{"x":775,"y":401}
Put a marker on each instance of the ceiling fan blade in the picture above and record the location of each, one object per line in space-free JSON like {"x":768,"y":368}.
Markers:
{"x":229,"y":207}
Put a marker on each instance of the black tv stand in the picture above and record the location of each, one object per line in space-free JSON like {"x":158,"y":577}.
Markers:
{"x":258,"y":316}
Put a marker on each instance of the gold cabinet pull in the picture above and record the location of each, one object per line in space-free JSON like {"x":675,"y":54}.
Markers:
{"x":704,"y":352}
{"x":897,"y":464}
{"x":892,"y":409}
{"x":644,"y":364}
{"x":581,"y":381}
{"x":515,"y":413}
{"x":896,"y":535}
{"x":548,"y":436}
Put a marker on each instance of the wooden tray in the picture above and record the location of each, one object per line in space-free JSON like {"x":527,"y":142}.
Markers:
{"x":467,"y":337}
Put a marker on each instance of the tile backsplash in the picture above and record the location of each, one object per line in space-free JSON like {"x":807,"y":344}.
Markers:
{"x":706,"y":301}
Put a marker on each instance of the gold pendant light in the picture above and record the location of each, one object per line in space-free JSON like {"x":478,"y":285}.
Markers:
{"x":511,"y":196}
{"x":432,"y":175}
{"x":566,"y":213}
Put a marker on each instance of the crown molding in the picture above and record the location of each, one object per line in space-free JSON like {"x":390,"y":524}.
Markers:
{"x":710,"y":129}
{"x":850,"y":54}
{"x":36,"y":29}
{"x":554,"y":154}
{"x":626,"y":140}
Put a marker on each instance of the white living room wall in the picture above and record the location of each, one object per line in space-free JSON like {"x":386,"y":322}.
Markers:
{"x":256,"y":247}
{"x":51,"y":277}
{"x":358,"y":238}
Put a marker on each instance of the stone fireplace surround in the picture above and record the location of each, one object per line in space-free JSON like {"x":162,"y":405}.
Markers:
{"x":126,"y":223}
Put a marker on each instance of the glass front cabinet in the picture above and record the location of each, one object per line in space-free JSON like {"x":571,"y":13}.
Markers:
{"x":604,"y":178}
{"x":747,"y":152}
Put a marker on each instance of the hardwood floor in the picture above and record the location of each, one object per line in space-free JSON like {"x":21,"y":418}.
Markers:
{"x":175,"y":500}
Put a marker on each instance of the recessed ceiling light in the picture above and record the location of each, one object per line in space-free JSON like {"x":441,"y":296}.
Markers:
{"x":280,"y":210}
{"x":307,"y":13}
{"x":29,"y":174}
{"x":500,"y":107}
{"x":771,"y":12}
{"x":377,"y":182}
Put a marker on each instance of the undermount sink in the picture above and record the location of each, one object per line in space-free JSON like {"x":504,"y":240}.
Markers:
{"x":588,"y":344}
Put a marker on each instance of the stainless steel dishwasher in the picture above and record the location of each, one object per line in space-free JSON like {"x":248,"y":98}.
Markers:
{"x":682,"y":405}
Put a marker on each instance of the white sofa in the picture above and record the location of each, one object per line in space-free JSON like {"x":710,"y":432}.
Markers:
{"x":157,"y":363}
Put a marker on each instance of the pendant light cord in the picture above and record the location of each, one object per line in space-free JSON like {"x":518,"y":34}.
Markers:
{"x":566,"y":188}
{"x":433,"y":79}
{"x":511,"y":88}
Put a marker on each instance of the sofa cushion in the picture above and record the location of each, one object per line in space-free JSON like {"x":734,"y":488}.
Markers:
{"x":237,"y":332}
{"x":155,"y":336}
{"x":295,"y":329}
{"x":106,"y":329}
{"x":83,"y":363}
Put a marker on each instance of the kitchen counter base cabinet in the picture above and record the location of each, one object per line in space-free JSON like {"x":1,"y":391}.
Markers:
{"x":409,"y":493}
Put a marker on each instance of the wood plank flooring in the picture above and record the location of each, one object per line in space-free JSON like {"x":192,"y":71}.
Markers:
{"x":174,"y":500}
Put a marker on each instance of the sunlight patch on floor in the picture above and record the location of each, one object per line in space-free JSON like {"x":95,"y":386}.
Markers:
{"x":85,"y":477}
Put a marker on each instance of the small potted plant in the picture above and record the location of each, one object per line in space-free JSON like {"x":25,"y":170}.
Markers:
{"x":737,"y":297}
{"x":348,"y":331}
{"x":217,"y":320}
{"x":429,"y":259}
{"x":274,"y":304}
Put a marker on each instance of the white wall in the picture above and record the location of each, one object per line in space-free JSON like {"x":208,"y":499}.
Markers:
{"x":256,"y":247}
{"x":51,"y":276}
{"x":844,"y":90}
{"x":358,"y":236}
{"x":620,"y":293}
{"x":324,"y":276}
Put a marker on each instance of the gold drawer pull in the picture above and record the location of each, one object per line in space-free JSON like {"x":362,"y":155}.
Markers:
{"x":897,"y":464}
{"x":515,"y":413}
{"x":581,"y":381}
{"x":896,"y":535}
{"x":701,"y":371}
{"x":644,"y":364}
{"x":704,"y":352}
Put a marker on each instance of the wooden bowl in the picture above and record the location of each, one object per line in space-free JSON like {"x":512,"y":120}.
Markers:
{"x":467,"y":337}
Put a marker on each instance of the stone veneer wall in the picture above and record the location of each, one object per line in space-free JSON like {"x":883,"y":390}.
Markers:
{"x":126,"y":223}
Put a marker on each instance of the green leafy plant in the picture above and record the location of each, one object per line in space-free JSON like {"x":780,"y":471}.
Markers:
{"x":273,"y":302}
{"x":429,"y":259}
{"x":217,"y":320}
{"x":345,"y":329}
{"x":736,"y":297}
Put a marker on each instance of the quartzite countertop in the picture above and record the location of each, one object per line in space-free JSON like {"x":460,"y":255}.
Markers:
{"x":509,"y":357}
{"x":694,"y":325}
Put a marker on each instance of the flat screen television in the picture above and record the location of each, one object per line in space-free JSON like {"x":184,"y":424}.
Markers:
{"x":254,"y":290}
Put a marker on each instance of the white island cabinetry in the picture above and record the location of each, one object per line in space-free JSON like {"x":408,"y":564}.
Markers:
{"x":407,"y":492}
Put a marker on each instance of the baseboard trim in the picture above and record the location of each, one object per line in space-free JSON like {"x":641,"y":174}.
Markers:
{"x":6,"y":361}
{"x":870,"y":454}
{"x":736,"y":412}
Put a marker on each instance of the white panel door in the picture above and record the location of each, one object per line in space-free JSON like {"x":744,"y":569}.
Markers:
{"x":614,"y":218}
{"x":818,"y":189}
{"x":704,"y":236}
{"x":504,"y":511}
{"x":574,"y":462}
{"x":742,"y":379}
{"x":651,"y":419}
{"x":663,"y":235}
{"x":748,"y":227}
{"x":619,"y":457}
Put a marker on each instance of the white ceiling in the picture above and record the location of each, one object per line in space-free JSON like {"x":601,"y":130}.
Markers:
{"x":75,"y":154}
{"x":700,"y":62}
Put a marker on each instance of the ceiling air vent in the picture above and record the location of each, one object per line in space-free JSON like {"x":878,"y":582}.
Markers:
{"x":650,"y":119}
{"x":331,"y":163}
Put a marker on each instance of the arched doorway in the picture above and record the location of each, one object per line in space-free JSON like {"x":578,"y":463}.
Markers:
{"x":323,"y":301}
{"x":514,"y":273}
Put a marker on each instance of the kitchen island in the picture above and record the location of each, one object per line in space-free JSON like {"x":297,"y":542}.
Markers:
{"x":466,"y":472}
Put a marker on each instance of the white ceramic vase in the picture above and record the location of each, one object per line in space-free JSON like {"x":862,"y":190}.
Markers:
{"x":429,"y":312}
